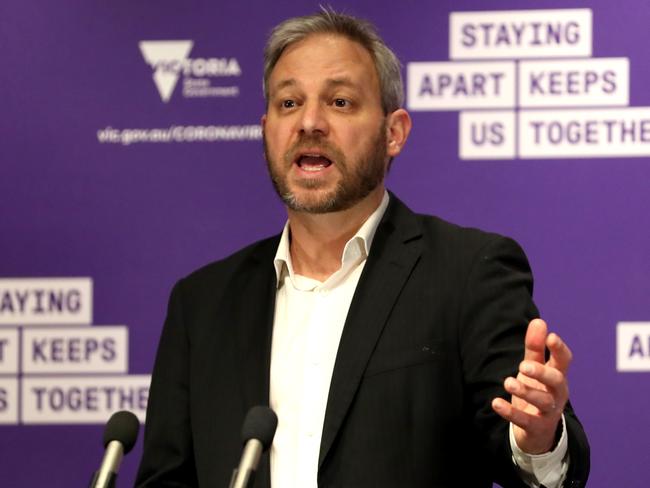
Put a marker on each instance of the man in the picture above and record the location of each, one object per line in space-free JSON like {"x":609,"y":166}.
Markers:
{"x":387,"y":342}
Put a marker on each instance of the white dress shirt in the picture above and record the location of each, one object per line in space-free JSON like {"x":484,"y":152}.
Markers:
{"x":307,"y":327}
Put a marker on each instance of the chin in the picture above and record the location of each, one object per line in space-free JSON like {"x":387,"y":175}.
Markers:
{"x":316,"y":204}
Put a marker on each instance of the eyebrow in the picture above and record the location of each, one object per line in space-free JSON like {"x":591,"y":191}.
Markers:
{"x":285,"y":83}
{"x":331,"y":82}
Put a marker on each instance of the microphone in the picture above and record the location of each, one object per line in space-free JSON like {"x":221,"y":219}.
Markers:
{"x":120,"y":435}
{"x":257,"y":434}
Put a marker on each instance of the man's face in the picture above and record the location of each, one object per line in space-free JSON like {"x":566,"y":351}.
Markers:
{"x":324,"y":130}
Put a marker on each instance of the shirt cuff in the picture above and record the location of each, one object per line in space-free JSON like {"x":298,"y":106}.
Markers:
{"x":548,"y":469}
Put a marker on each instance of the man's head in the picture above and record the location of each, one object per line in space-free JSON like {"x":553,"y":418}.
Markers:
{"x":333,"y":120}
{"x":361,"y":31}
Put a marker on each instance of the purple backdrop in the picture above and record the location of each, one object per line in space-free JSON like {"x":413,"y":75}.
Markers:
{"x":136,"y":217}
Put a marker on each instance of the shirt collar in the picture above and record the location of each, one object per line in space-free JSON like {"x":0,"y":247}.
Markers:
{"x":357,"y":248}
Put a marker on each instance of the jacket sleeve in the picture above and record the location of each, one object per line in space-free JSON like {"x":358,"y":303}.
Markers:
{"x":494,"y":315}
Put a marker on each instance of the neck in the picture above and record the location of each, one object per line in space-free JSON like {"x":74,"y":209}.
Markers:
{"x":318,"y":240}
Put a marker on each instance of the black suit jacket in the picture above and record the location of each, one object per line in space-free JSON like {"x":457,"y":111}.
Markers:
{"x":436,"y":323}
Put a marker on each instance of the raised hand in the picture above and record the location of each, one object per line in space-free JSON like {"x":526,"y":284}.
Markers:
{"x":540,"y":391}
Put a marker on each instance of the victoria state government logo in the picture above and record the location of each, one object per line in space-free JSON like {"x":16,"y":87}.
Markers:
{"x":201,"y":77}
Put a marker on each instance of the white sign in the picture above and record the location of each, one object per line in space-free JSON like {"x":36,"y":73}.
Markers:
{"x":83,"y":400}
{"x":51,"y":301}
{"x":100,"y":349}
{"x":487,"y":134}
{"x":520,"y":34}
{"x":454,"y":86}
{"x":633,"y":346}
{"x":58,"y":373}
{"x":8,"y":401}
{"x":584,"y":133}
{"x":574,"y":82}
{"x":8,"y":351}
{"x":561,"y":107}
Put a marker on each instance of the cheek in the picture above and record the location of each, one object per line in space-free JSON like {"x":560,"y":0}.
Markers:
{"x":271,"y":144}
{"x":277,"y":137}
{"x":360,"y":141}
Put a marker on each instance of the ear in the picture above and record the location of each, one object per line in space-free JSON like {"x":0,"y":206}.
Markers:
{"x":398,"y":127}
{"x":263,"y":121}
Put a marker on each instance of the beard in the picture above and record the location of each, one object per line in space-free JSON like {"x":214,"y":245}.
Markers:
{"x":357,"y":180}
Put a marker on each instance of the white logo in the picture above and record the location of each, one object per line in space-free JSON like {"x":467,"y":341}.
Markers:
{"x":164,"y":57}
{"x":170,"y":60}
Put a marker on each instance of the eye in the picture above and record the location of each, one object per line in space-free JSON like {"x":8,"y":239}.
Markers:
{"x":341,"y":103}
{"x":288,"y":103}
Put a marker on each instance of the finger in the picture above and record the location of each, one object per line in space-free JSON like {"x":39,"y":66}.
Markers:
{"x":533,"y":434}
{"x":548,"y":376}
{"x":543,"y":400}
{"x":535,"y":341}
{"x":561,"y":355}
{"x":511,"y":414}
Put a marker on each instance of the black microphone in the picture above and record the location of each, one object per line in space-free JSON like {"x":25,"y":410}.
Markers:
{"x":120,"y":435}
{"x":257,"y":433}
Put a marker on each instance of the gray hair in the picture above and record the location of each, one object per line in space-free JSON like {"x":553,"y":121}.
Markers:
{"x":330,"y":22}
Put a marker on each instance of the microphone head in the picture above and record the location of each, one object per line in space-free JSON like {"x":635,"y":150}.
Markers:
{"x":260,"y":423}
{"x":123,"y":426}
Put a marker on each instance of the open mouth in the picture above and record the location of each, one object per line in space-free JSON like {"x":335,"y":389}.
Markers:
{"x":313,"y":162}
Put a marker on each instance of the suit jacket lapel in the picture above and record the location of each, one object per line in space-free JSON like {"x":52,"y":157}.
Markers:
{"x":394,"y":252}
{"x":255,"y":297}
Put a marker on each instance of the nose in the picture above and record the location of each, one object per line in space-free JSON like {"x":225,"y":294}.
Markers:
{"x":313,"y":119}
